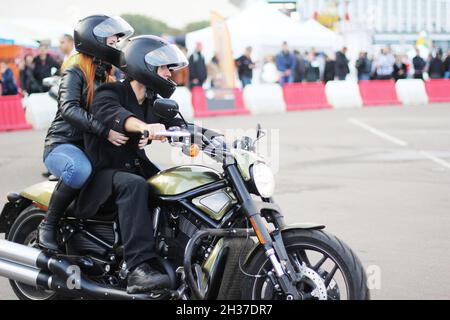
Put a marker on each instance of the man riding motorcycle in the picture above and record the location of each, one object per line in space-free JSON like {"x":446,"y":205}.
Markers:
{"x":95,"y":37}
{"x":203,"y":219}
{"x":121,"y":171}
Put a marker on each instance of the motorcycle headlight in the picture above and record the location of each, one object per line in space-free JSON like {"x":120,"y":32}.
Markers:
{"x":263,"y":178}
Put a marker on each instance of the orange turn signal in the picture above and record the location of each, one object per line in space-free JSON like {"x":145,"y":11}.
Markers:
{"x":194,"y":150}
{"x":258,"y":233}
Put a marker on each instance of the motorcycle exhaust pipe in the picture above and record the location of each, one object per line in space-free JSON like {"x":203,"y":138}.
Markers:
{"x":23,"y":274}
{"x":34,"y":267}
{"x":86,"y":288}
{"x":24,"y":255}
{"x":62,"y":278}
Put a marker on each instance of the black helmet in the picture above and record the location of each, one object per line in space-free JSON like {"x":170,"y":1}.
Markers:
{"x":91,"y":33}
{"x":143,"y":55}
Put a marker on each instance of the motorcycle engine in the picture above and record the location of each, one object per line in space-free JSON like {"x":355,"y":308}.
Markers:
{"x":174,"y":227}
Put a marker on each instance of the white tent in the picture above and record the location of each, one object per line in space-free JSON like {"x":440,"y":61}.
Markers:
{"x":27,"y":31}
{"x":15,"y":36}
{"x":316,"y":35}
{"x":265,"y":28}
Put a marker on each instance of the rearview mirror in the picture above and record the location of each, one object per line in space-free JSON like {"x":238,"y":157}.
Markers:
{"x":258,"y":131}
{"x":165,"y":108}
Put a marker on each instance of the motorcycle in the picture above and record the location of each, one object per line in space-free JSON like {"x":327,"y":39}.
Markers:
{"x":220,"y":235}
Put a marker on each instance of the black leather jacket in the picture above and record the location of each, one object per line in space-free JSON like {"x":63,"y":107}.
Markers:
{"x":72,"y":118}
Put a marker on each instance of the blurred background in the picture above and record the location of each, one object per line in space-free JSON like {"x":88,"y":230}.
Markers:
{"x":376,"y":171}
{"x":314,"y":30}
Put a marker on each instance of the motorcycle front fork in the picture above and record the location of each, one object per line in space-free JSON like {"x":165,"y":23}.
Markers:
{"x":274,"y":248}
{"x":284,"y":275}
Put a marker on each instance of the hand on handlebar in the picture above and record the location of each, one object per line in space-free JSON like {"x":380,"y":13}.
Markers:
{"x":143,"y":142}
{"x":149,"y":133}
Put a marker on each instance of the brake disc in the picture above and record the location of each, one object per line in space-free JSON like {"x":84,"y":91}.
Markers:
{"x":320,"y":291}
{"x":333,"y":291}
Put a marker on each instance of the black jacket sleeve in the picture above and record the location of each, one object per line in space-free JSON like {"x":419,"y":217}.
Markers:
{"x":70,"y":97}
{"x":108,"y":109}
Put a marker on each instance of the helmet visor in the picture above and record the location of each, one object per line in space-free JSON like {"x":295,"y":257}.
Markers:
{"x":168,"y":55}
{"x":114,"y":26}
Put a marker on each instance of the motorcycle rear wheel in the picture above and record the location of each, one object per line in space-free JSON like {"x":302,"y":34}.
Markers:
{"x":24,"y":231}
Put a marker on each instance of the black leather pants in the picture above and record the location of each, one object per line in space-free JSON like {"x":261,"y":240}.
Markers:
{"x":135,"y":221}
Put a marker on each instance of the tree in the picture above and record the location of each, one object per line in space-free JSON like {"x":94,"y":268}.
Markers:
{"x":143,"y":24}
{"x":146,"y":25}
{"x":197,"y":25}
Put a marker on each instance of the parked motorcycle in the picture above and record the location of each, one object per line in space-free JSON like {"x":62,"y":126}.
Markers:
{"x":220,"y":235}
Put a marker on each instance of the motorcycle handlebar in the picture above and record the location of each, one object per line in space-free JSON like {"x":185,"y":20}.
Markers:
{"x":207,"y":140}
{"x":173,"y":134}
{"x":168,"y":134}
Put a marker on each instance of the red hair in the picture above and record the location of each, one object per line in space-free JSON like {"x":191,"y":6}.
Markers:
{"x":87,"y":66}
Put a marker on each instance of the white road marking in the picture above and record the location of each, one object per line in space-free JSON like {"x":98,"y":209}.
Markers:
{"x":377,"y":132}
{"x":397,"y":141}
{"x":436,"y":159}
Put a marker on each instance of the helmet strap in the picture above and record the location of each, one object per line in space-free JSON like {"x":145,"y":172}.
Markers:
{"x":101,"y":69}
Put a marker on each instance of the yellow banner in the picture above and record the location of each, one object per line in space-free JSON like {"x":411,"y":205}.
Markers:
{"x":223,"y":51}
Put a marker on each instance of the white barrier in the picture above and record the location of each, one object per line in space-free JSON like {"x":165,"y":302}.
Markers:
{"x":183,"y":97}
{"x":343,"y":94}
{"x":264,"y":98}
{"x":411,"y":92}
{"x":40,"y":110}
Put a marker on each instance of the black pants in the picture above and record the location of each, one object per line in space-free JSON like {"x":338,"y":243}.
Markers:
{"x":135,"y":222}
{"x":384,"y":77}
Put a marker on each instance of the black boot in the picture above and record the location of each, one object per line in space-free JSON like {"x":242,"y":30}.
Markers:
{"x":144,"y":278}
{"x":62,"y":196}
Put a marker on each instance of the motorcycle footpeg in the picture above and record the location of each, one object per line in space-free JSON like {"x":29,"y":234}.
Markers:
{"x":156,"y":293}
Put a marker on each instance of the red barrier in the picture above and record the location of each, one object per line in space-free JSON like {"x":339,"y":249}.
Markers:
{"x":12,"y":115}
{"x":305,"y":96}
{"x":204,"y":107}
{"x":438,"y":90}
{"x":378,"y":92}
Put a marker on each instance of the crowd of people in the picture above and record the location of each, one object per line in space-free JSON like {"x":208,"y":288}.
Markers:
{"x":35,"y":68}
{"x":395,"y":66}
{"x":288,"y":66}
{"x":293,"y":66}
{"x":201,"y":72}
{"x":313,"y":66}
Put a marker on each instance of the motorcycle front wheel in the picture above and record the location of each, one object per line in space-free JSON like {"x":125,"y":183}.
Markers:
{"x":328,"y":268}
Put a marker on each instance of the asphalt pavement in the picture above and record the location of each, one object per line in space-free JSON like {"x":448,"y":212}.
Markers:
{"x":377,"y":177}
